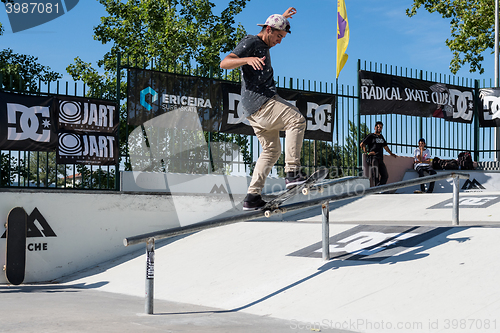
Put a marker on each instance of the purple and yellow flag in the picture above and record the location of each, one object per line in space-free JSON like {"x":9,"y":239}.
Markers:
{"x":342,"y":35}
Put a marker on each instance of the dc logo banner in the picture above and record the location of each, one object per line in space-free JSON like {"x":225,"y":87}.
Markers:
{"x":87,"y":115}
{"x":95,"y":149}
{"x":233,"y":118}
{"x":317,"y":108}
{"x":489,"y":111}
{"x":27,"y":123}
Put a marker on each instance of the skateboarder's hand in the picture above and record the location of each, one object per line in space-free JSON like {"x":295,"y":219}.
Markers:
{"x":256,"y":63}
{"x":289,"y":12}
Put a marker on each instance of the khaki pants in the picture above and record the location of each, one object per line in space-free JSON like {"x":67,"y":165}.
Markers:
{"x":274,"y":116}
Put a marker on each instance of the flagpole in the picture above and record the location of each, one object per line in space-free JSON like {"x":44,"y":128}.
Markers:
{"x":497,"y":130}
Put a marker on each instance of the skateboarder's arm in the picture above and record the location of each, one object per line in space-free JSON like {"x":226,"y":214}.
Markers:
{"x":389,"y":151}
{"x":232,"y":61}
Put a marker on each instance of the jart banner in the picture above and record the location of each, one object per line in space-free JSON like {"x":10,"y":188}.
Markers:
{"x":216,"y":103}
{"x":27,"y":122}
{"x":80,"y":130}
{"x":87,"y":131}
{"x":388,"y":94}
{"x":489,"y":111}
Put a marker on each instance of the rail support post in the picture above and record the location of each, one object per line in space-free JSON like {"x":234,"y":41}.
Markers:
{"x":456,"y":188}
{"x":150,"y":274}
{"x":326,"y":230}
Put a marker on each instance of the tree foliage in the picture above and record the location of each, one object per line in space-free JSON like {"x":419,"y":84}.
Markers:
{"x":23,"y":72}
{"x":472,"y":29}
{"x":171,"y":31}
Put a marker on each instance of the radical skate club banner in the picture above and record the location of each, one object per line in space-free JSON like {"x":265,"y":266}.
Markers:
{"x":151,"y":94}
{"x":80,"y":130}
{"x":489,"y":110}
{"x":27,"y":122}
{"x":388,"y":94}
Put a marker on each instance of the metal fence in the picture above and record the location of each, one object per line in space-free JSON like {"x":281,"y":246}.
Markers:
{"x":445,"y":139}
{"x":341,"y":155}
{"x":36,"y":169}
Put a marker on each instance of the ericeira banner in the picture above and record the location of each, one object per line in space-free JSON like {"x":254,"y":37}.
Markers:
{"x":216,"y":103}
{"x":388,"y":94}
{"x":80,"y":130}
{"x":489,"y":111}
{"x":152,"y":93}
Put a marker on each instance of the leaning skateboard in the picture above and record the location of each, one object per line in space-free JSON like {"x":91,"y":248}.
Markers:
{"x":275,"y":203}
{"x":15,"y":262}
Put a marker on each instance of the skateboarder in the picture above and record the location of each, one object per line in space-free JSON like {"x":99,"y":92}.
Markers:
{"x":267,"y":112}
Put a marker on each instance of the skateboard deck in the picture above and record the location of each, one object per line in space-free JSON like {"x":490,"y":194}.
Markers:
{"x":15,"y":262}
{"x":275,"y":203}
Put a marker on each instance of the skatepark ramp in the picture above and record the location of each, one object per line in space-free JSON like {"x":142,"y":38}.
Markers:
{"x":150,"y":238}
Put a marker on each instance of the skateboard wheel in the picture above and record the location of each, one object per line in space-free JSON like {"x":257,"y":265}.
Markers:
{"x":267,"y":213}
{"x":305,"y":191}
{"x":321,"y":190}
{"x":4,"y":267}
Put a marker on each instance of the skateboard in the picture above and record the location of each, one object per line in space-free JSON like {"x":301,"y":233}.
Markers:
{"x":15,"y":262}
{"x":275,"y":203}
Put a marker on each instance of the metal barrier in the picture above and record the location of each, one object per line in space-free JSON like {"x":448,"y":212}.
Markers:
{"x":150,"y":238}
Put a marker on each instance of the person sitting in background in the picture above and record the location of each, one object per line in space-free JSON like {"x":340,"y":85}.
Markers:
{"x":422,"y":163}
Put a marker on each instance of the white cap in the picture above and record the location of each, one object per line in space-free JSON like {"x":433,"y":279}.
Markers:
{"x":277,"y":21}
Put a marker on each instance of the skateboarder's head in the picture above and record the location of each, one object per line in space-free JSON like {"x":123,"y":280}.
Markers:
{"x":274,"y":30}
{"x":378,"y":127}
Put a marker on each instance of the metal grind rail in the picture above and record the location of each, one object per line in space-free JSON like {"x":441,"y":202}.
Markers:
{"x":149,"y":238}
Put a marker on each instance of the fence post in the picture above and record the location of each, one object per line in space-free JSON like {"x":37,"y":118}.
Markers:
{"x":118,"y":98}
{"x":454,"y":216}
{"x":150,"y":274}
{"x":326,"y":230}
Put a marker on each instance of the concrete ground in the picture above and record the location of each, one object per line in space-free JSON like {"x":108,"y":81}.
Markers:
{"x":398,"y":265}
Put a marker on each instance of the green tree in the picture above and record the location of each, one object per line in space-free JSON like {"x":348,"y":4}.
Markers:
{"x":472,"y":29}
{"x":173,"y":34}
{"x":44,"y":171}
{"x":11,"y":169}
{"x":349,"y":152}
{"x":91,"y":178}
{"x":172,"y":31}
{"x":23,"y":72}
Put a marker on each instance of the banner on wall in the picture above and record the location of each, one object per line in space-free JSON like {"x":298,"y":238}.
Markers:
{"x":27,"y":122}
{"x":389,"y":94}
{"x":216,"y":103}
{"x":489,"y":109}
{"x":87,"y":131}
{"x":80,"y":130}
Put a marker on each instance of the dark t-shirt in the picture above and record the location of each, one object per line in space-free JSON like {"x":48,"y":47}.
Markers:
{"x":257,"y":87}
{"x":376,"y":143}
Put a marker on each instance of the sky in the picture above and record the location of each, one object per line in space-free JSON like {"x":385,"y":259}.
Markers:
{"x":380,"y":32}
